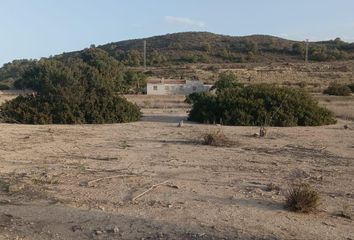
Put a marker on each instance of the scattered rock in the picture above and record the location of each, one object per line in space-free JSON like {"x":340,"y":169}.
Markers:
{"x":76,"y":228}
{"x":98,"y":232}
{"x":112,"y":229}
{"x":5,"y":201}
{"x":180,"y":124}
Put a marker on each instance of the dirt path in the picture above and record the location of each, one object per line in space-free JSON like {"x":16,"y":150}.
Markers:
{"x":47,"y":189}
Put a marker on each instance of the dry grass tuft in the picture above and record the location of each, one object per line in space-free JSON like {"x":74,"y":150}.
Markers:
{"x":345,"y":212}
{"x":302,"y":198}
{"x":216,"y":138}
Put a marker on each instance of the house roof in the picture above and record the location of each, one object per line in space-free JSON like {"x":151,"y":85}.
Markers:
{"x":166,"y":81}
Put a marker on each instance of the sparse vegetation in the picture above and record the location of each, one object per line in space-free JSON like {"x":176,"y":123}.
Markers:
{"x":338,"y":89}
{"x":345,"y":212}
{"x":4,"y":185}
{"x":351,"y":86}
{"x":302,"y":198}
{"x":4,"y":87}
{"x":273,"y":187}
{"x":216,"y":138}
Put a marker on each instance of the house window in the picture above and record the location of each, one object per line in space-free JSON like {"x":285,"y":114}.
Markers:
{"x":155,"y":88}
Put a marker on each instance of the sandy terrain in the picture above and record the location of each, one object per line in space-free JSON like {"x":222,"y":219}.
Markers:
{"x":47,"y":187}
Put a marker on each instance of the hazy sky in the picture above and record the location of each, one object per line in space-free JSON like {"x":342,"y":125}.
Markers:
{"x":39,"y":28}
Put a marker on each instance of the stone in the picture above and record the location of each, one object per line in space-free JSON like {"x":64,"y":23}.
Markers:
{"x":112,"y":229}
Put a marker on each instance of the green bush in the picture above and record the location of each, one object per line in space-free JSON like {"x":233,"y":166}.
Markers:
{"x":338,"y":90}
{"x":351,"y":86}
{"x":75,"y":92}
{"x":258,"y":105}
{"x":4,"y":87}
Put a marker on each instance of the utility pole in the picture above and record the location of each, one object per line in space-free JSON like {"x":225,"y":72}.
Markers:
{"x":145,"y":54}
{"x":307,"y":51}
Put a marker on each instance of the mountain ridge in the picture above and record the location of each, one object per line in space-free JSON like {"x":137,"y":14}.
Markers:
{"x":202,"y":47}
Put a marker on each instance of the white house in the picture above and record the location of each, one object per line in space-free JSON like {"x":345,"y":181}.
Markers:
{"x":175,"y":87}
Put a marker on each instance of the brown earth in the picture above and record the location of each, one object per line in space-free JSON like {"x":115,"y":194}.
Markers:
{"x":48,"y":188}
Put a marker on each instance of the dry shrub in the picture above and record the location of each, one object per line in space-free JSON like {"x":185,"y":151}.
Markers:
{"x":216,"y":138}
{"x":273,"y":187}
{"x":302,"y":198}
{"x":4,"y":185}
{"x":345,"y":212}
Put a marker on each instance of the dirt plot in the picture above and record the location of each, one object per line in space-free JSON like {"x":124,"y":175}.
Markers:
{"x":153,"y":180}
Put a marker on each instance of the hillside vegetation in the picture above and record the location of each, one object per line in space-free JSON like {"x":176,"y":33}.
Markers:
{"x":201,"y":47}
{"x":204,"y":47}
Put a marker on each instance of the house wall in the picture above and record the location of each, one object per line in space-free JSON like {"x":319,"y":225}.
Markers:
{"x":176,"y":89}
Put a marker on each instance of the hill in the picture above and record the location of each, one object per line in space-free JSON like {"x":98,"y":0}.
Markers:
{"x":202,"y":47}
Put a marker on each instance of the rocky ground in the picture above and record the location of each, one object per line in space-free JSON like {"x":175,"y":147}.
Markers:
{"x":153,"y":180}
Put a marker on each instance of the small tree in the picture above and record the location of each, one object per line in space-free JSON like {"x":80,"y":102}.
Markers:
{"x":226,"y":80}
{"x":298,"y":49}
{"x":206,"y":47}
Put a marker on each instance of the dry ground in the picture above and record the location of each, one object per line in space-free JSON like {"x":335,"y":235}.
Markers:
{"x":342,"y":107}
{"x":234,"y":192}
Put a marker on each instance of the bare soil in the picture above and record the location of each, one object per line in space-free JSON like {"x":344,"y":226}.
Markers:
{"x":82,"y":181}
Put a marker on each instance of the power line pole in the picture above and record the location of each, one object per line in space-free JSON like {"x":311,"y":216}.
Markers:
{"x":145,"y":54}
{"x":307,"y":51}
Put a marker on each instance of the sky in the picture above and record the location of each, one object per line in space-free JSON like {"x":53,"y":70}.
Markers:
{"x":40,"y":28}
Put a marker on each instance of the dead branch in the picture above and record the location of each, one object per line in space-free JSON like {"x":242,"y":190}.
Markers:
{"x":149,"y":190}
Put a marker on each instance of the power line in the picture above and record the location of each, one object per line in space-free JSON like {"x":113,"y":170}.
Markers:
{"x":307,"y":51}
{"x":145,"y":54}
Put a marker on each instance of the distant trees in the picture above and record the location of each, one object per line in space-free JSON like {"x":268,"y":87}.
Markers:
{"x":133,"y":58}
{"x":227,"y":54}
{"x":200,"y":48}
{"x":156,"y":58}
{"x":206,"y":47}
{"x":227,"y":80}
{"x":10,"y":72}
{"x":251,"y":46}
{"x":298,"y":49}
{"x":136,"y":81}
